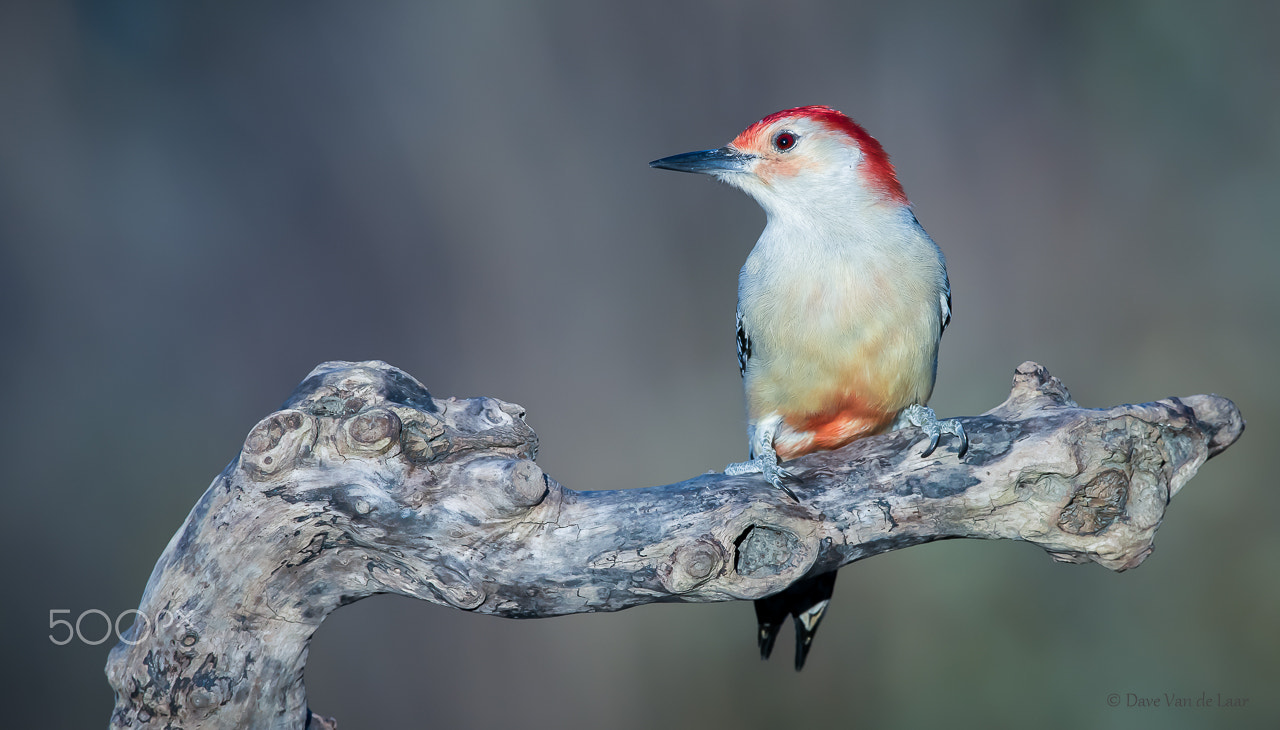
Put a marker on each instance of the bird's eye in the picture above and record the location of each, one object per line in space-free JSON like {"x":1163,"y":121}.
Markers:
{"x":784,"y":141}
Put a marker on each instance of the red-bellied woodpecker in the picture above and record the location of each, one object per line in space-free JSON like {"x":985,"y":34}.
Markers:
{"x":841,"y":305}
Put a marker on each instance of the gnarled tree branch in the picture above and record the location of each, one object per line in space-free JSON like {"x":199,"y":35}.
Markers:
{"x":366,"y":484}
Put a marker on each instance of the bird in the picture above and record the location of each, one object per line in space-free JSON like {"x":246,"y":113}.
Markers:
{"x":841,"y":307}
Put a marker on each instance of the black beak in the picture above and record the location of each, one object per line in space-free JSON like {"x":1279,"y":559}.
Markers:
{"x":725,"y":159}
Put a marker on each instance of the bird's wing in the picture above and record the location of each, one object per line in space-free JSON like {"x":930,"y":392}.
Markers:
{"x":744,"y":346}
{"x":944,"y":296}
{"x":945,"y":300}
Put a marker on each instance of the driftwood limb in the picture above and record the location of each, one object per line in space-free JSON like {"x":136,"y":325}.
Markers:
{"x":366,"y":484}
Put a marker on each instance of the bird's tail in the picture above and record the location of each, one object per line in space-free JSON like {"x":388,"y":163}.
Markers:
{"x":806,"y":602}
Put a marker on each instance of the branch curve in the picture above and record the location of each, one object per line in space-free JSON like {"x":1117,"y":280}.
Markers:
{"x":364,"y":483}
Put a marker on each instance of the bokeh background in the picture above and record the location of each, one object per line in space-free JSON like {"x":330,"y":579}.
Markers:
{"x":201,"y":201}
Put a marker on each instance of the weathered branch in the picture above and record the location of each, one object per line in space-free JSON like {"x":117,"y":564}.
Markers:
{"x":366,"y":484}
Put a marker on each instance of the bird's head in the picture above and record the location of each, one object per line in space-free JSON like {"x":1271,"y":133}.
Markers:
{"x":808,"y":157}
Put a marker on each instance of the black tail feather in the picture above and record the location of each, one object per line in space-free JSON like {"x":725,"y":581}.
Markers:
{"x":806,"y":601}
{"x":771,"y":613}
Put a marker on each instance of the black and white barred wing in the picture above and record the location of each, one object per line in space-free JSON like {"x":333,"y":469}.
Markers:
{"x":744,"y":346}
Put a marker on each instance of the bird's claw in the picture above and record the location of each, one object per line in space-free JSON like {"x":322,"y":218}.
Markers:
{"x":773,"y":473}
{"x":924,"y":418}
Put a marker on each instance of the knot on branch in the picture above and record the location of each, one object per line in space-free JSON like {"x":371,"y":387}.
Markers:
{"x":694,"y":564}
{"x":370,"y":467}
{"x":278,"y":442}
{"x":369,"y":432}
{"x":1116,"y":486}
{"x":1033,"y":389}
{"x":766,"y":550}
{"x":425,"y":439}
{"x":371,"y":410}
{"x":1093,"y":507}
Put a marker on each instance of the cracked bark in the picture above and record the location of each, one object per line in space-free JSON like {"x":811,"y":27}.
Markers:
{"x":363,"y":483}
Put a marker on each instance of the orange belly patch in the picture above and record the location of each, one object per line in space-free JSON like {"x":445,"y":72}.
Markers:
{"x":801,"y":434}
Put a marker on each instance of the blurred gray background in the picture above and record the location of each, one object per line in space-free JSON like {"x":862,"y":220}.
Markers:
{"x":199,"y":202}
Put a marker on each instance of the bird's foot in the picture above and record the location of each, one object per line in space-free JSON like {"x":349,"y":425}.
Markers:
{"x":766,"y":465}
{"x":924,"y":418}
{"x":764,"y":457}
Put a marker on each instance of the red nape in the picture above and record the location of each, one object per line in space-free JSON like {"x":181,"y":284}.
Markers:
{"x":876,"y":163}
